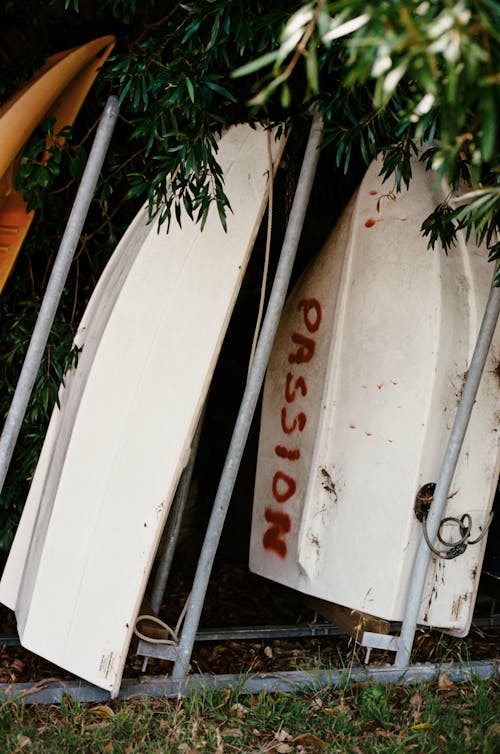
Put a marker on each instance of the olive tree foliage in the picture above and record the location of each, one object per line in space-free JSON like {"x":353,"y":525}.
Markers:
{"x":175,"y":83}
{"x":404,"y":78}
{"x":397,"y":77}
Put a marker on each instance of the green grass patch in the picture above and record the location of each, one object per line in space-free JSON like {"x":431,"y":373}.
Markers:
{"x":361,"y":719}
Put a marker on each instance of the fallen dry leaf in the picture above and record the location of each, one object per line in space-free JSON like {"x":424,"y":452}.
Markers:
{"x":95,"y":726}
{"x":108,"y":748}
{"x":445,"y":683}
{"x":282,"y":748}
{"x":282,"y":735}
{"x":23,"y":742}
{"x":17,"y":665}
{"x":268,"y":652}
{"x":317,"y":703}
{"x":420,"y":726}
{"x":309,"y":739}
{"x":219,"y":743}
{"x":416,"y":701}
{"x":382,"y":733}
{"x":470,"y":720}
{"x":101,"y":710}
{"x":239,"y":711}
{"x":339,"y":709}
{"x":493,"y":730}
{"x":232,"y":732}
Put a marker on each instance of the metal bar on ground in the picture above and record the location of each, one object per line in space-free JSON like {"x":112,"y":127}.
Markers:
{"x":56,"y":285}
{"x":53,"y":692}
{"x":250,"y":397}
{"x":450,"y":459}
{"x":243,"y":633}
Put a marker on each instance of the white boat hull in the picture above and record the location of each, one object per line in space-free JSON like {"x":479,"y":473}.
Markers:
{"x":114,"y":451}
{"x":361,"y":392}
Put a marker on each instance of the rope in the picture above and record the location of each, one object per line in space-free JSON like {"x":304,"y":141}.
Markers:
{"x":456,"y":547}
{"x":173,"y":632}
{"x":267,"y":251}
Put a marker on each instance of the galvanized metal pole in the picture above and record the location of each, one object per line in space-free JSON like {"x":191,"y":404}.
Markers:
{"x":250,"y":398}
{"x":56,"y":285}
{"x":173,"y":525}
{"x":450,"y":459}
{"x":55,"y":692}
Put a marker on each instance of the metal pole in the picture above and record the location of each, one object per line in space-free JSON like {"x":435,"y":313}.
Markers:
{"x":174,"y":524}
{"x":450,"y":459}
{"x":250,"y":398}
{"x":55,"y":286}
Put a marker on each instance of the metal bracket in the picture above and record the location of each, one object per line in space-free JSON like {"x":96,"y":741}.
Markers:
{"x":373,"y":640}
{"x":156,"y":650}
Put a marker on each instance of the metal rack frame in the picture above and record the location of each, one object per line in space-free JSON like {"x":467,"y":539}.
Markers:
{"x":179,"y":682}
{"x":401,"y":644}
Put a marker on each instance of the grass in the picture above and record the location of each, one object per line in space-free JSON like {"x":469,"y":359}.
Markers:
{"x":361,"y":719}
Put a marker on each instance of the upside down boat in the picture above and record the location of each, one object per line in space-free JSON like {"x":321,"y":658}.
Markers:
{"x":360,"y":396}
{"x":116,"y":447}
{"x":57,"y":91}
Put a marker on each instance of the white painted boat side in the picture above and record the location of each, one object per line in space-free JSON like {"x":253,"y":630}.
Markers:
{"x":108,"y":484}
{"x":87,"y":338}
{"x":360,"y":396}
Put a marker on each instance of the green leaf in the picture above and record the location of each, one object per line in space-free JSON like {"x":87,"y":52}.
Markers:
{"x":42,"y":176}
{"x":222,"y":215}
{"x":494,"y":252}
{"x":215,"y":32}
{"x":190,"y":88}
{"x":255,"y":65}
{"x":192,"y":30}
{"x":312,"y":69}
{"x":439,"y":226}
{"x":286,"y":96}
{"x":489,"y":127}
{"x":220,"y":90}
